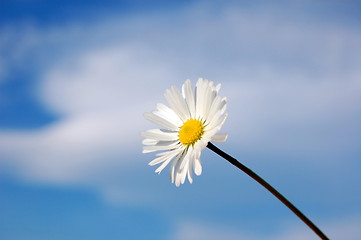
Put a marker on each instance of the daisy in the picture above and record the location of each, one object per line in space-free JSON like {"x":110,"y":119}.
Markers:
{"x":192,"y":119}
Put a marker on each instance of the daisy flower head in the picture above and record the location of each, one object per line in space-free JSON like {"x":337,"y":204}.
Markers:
{"x":192,"y":119}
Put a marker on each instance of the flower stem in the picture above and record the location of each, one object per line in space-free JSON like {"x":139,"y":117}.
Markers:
{"x":278,"y":195}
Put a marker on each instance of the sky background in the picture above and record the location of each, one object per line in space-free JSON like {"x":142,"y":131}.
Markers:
{"x":77,"y":76}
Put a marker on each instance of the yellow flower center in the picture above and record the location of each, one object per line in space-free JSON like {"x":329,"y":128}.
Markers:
{"x":191,"y":131}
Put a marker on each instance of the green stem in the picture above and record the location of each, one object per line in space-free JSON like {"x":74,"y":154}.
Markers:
{"x":278,"y":195}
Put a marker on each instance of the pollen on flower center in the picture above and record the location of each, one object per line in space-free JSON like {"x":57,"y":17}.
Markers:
{"x":191,"y":131}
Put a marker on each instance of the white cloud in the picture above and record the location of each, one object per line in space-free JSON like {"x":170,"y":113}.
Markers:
{"x":114,"y":78}
{"x":70,"y":150}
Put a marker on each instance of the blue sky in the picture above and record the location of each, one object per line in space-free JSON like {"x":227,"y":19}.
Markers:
{"x":76,"y":78}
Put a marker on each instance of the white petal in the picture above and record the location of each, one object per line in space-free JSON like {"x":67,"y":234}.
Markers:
{"x":200,"y":98}
{"x":223,"y":105}
{"x":161,"y":167}
{"x":214,"y":108}
{"x":176,"y":101}
{"x":177,"y":181}
{"x":147,"y":149}
{"x":184,"y":171}
{"x":216,"y":122}
{"x":159,"y":160}
{"x":169,"y":114}
{"x":177,"y":178}
{"x":164,"y":156}
{"x":189,"y":171}
{"x":178,"y":171}
{"x":221,"y":120}
{"x":181,"y":102}
{"x":160,"y":135}
{"x":197,"y":166}
{"x":207,"y":136}
{"x":164,"y":164}
{"x":172,"y":168}
{"x":148,"y":141}
{"x":210,"y":123}
{"x":211,"y":85}
{"x":219,"y":137}
{"x":208,"y":96}
{"x":202,"y":145}
{"x":196,"y":163}
{"x":186,"y":158}
{"x":160,"y":121}
{"x":219,"y":104}
{"x":218,"y":87}
{"x":188,"y":95}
